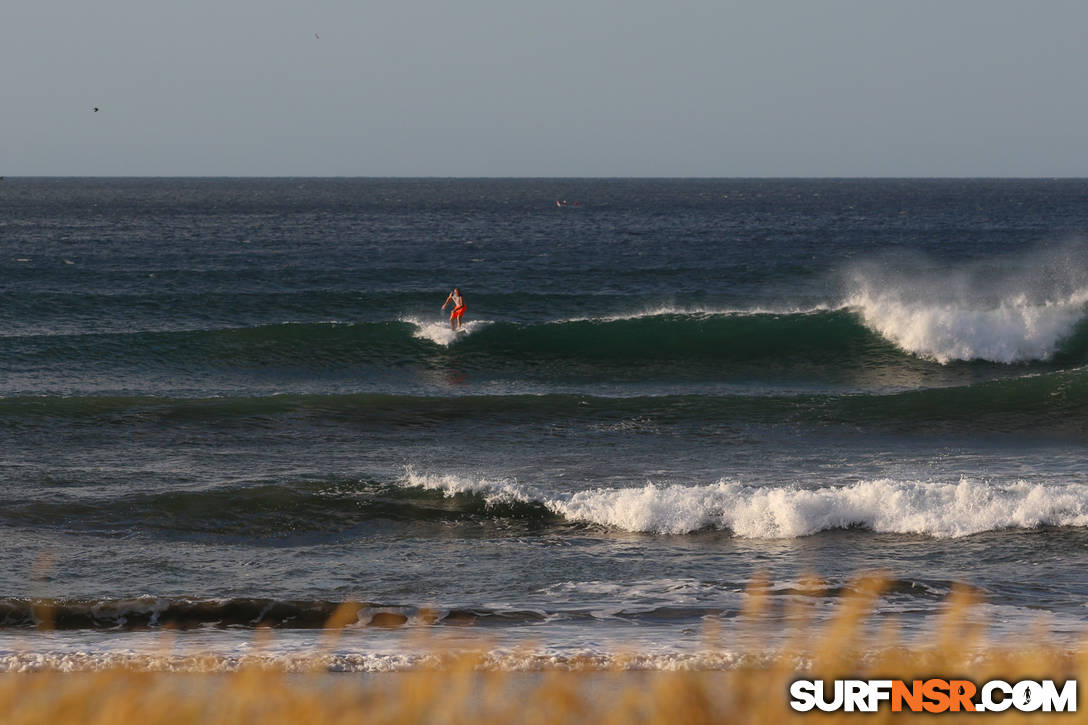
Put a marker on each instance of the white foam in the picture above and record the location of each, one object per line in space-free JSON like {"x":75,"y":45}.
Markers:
{"x":440,"y":333}
{"x":1007,"y":309}
{"x":939,"y":509}
{"x":493,"y":491}
{"x":501,"y":660}
{"x":704,"y":312}
{"x":1015,"y":329}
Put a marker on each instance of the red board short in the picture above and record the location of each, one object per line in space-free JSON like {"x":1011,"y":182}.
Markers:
{"x":458,"y":312}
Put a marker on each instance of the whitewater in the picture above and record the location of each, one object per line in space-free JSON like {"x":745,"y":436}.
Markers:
{"x":675,"y":389}
{"x":886,"y":506}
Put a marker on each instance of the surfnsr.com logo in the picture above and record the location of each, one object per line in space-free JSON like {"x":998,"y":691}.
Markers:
{"x":933,"y":695}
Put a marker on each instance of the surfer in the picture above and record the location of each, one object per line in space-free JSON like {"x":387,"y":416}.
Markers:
{"x":458,"y":308}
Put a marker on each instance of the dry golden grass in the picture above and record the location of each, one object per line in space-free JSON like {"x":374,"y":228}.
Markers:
{"x":462,"y":692}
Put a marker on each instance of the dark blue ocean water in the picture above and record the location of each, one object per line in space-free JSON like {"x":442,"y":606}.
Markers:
{"x":225,"y":402}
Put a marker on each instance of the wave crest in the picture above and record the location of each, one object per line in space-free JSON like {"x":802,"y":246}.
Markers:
{"x":1009,"y":309}
{"x":1016,"y":329}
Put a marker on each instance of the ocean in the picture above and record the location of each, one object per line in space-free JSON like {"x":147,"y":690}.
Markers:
{"x":229,"y":406}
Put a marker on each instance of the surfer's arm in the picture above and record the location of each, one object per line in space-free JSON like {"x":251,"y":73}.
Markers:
{"x":447,"y":301}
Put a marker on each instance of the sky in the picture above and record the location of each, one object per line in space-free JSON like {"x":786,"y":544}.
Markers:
{"x":687,"y":88}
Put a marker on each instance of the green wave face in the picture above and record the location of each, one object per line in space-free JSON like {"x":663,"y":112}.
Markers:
{"x":827,"y":337}
{"x":757,"y":353}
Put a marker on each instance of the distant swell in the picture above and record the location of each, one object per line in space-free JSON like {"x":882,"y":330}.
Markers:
{"x":1034,"y":403}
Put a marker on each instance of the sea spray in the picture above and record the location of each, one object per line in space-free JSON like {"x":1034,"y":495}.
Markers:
{"x":213,"y":405}
{"x":440,"y":333}
{"x":1014,"y":309}
{"x":1014,"y":330}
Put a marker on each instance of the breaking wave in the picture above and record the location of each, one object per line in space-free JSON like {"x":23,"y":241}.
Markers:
{"x":1013,"y":309}
{"x":886,"y":505}
{"x":1013,"y":330}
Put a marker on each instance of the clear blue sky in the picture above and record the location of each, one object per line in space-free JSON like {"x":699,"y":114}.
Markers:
{"x":558,"y":88}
